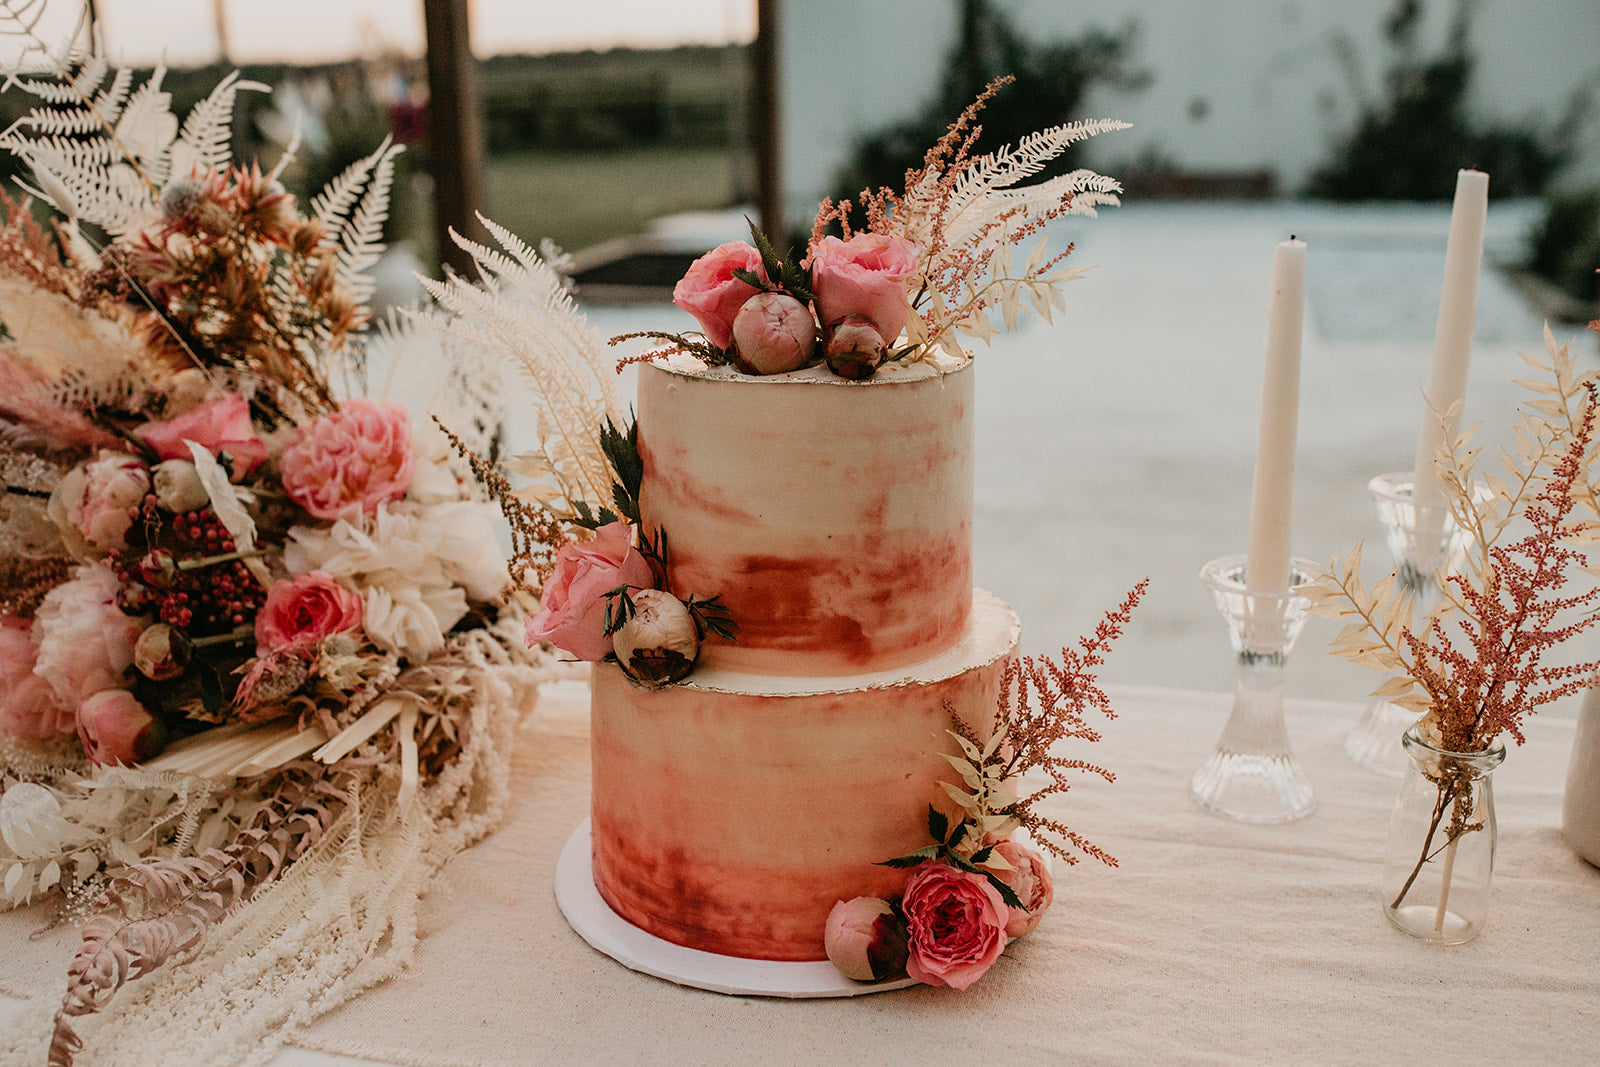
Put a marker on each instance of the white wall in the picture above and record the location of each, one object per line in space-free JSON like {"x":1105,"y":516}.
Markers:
{"x":1268,"y":71}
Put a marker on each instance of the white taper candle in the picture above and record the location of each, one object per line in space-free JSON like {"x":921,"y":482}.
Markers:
{"x":1452,"y":340}
{"x":1267,"y":567}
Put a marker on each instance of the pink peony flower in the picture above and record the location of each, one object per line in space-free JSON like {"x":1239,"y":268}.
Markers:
{"x":572,"y":609}
{"x":301,"y":611}
{"x":868,"y":276}
{"x":711,"y":293}
{"x":358,"y":457}
{"x":1029,"y":879}
{"x":660,"y":643}
{"x":27,"y":706}
{"x":85,"y":641}
{"x":98,"y":500}
{"x":865,"y":939}
{"x":956,"y":923}
{"x":115,"y":728}
{"x":773,"y":333}
{"x":219,"y":425}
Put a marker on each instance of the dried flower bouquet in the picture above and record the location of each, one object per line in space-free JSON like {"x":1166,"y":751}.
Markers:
{"x":255,"y":659}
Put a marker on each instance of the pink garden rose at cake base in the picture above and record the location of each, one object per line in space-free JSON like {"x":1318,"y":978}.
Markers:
{"x":572,"y":608}
{"x":1029,"y":879}
{"x":711,"y":293}
{"x":956,"y":923}
{"x":868,"y":276}
{"x":355,"y":459}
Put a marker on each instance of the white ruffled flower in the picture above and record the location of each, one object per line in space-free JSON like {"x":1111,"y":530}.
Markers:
{"x":415,"y":568}
{"x":432,"y":482}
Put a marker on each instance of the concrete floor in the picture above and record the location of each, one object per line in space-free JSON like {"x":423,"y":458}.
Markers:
{"x":1119,"y":442}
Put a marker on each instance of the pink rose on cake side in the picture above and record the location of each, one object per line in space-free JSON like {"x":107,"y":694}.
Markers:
{"x":219,"y":425}
{"x":1029,"y":879}
{"x":301,"y":612}
{"x":711,"y":293}
{"x":572,"y":608}
{"x":115,"y":728}
{"x":867,"y":275}
{"x":956,"y":923}
{"x":358,"y":457}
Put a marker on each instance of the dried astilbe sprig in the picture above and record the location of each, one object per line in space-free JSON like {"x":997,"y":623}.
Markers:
{"x":535,"y":533}
{"x":966,"y":214}
{"x":1043,"y":703}
{"x":1474,"y":668}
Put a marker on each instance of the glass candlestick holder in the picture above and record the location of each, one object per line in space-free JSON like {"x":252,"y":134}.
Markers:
{"x":1252,"y":775}
{"x":1423,"y":546}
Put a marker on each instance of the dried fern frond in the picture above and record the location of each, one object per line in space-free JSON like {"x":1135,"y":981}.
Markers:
{"x":523,"y":311}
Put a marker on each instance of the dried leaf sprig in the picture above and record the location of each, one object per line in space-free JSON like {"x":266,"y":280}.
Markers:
{"x":1043,"y":702}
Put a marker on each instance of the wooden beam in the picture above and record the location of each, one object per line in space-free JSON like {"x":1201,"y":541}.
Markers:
{"x":764,"y":77}
{"x":455,"y":129}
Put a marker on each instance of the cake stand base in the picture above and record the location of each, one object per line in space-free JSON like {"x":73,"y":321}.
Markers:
{"x":591,"y":917}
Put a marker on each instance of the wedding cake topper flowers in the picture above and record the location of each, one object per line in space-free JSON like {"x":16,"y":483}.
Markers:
{"x":935,"y":263}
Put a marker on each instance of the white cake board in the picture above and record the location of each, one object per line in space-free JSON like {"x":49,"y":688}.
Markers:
{"x":606,"y":931}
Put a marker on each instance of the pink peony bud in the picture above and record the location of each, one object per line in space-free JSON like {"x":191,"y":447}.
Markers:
{"x":866,"y":939}
{"x":773,"y":333}
{"x":161,"y":653}
{"x":658,"y":645}
{"x":854,"y":347}
{"x":115,"y":728}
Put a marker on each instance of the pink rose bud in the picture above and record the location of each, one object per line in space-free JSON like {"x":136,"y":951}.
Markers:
{"x":1029,"y":879}
{"x":115,"y":728}
{"x":773,"y":333}
{"x":855,"y":348}
{"x":865,"y":939}
{"x":659,"y":644}
{"x":161,"y":653}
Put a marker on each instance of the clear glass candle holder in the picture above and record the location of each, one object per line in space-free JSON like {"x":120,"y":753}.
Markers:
{"x":1424,"y":543}
{"x":1252,"y":775}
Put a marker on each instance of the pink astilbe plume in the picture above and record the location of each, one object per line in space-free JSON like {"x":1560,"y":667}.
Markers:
{"x":33,"y":419}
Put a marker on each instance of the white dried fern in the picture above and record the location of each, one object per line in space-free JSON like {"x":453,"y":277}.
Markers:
{"x":101,"y":150}
{"x":523,"y":312}
{"x":354,"y":206}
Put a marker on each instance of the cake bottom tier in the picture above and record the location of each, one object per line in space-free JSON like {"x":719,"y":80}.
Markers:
{"x":732,"y":811}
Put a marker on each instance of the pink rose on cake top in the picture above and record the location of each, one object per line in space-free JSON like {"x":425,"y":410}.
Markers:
{"x":712,"y":293}
{"x":866,"y":276}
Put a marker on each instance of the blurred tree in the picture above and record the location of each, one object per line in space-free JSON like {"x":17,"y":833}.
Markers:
{"x":1410,"y":145}
{"x":1052,"y":80}
{"x":1564,"y":248}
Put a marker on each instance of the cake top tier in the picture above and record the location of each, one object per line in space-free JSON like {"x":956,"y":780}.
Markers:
{"x":833,"y":519}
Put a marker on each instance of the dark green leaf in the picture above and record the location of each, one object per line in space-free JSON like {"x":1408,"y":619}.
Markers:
{"x":619,"y":609}
{"x":749,"y":277}
{"x":938,"y":825}
{"x":210,"y":691}
{"x":912,"y":859}
{"x":622,"y":452}
{"x":770,"y":259}
{"x":1007,"y":894}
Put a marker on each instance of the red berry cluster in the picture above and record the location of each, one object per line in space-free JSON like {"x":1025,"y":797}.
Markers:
{"x":212,"y":598}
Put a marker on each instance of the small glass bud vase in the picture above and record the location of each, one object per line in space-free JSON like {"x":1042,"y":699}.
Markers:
{"x":1423,"y":547}
{"x":1435,"y":883}
{"x":1252,"y":775}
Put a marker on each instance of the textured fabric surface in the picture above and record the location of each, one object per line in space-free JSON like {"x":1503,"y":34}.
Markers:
{"x":1213,"y":941}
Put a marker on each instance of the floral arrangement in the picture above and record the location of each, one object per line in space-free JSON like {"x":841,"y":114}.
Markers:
{"x":251,"y":622}
{"x":976,"y":888}
{"x":934,"y":263}
{"x":1475,"y":667}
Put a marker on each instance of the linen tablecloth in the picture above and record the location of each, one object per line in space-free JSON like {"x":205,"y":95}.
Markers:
{"x":1212,"y":942}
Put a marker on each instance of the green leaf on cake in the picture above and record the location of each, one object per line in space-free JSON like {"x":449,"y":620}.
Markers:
{"x":938,"y":825}
{"x":621,"y":448}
